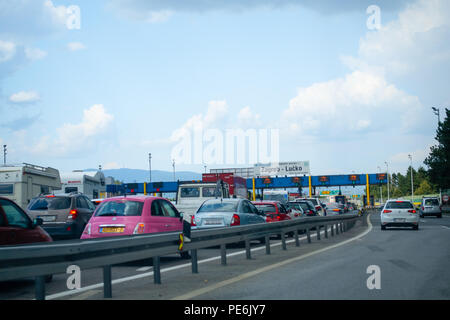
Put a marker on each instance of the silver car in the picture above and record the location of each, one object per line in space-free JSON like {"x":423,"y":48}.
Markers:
{"x":216,"y":213}
{"x":430,"y":207}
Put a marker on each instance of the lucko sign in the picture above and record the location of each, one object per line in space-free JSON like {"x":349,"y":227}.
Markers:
{"x":285,"y":169}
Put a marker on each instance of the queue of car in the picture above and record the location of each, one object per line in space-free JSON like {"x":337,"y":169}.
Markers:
{"x":74,"y":216}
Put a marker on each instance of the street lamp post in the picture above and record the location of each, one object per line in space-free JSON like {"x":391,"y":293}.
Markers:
{"x":173,"y":165}
{"x":381,"y":188}
{"x":436,"y":112}
{"x":150,"y":165}
{"x":412,"y":184}
{"x":387,"y":166}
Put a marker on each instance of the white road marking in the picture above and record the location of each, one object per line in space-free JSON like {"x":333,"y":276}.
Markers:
{"x":149,"y":274}
{"x":143,"y":269}
{"x":86,"y":295}
{"x":202,"y":291}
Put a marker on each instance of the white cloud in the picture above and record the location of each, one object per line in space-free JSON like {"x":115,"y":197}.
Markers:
{"x":7,"y":50}
{"x":248,"y":118}
{"x":35,"y":53}
{"x":81,"y":137}
{"x":217,"y":111}
{"x":418,"y":39}
{"x":25,"y":97}
{"x":75,"y":46}
{"x":357,"y":103}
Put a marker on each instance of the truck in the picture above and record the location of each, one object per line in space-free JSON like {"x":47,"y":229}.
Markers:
{"x":23,"y":182}
{"x":276,"y":195}
{"x":90,"y":183}
{"x":191,"y":194}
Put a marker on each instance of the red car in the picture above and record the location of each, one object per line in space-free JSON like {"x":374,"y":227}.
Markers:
{"x":274,"y":210}
{"x":16,"y":226}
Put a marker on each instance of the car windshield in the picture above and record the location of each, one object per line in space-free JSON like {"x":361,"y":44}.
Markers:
{"x":190,"y":192}
{"x":51,"y":203}
{"x":219,"y":207}
{"x":399,"y":205}
{"x":431,"y":202}
{"x":266,"y":208}
{"x":314,"y":201}
{"x":208,"y":192}
{"x":120,"y":208}
{"x":295,"y":205}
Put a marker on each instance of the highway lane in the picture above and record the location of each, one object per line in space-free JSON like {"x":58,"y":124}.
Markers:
{"x":413,"y":265}
{"x":326,"y":275}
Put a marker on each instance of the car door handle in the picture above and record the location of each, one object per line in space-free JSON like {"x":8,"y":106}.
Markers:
{"x":167,"y":225}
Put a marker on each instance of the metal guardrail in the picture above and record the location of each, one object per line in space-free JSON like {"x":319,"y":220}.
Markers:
{"x":40,"y":260}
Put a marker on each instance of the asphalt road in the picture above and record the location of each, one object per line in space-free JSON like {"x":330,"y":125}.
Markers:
{"x":413,"y":265}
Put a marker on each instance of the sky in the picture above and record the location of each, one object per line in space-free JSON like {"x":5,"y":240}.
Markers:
{"x":350,"y":89}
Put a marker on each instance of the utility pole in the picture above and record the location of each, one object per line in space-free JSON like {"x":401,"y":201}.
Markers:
{"x":387,"y":166}
{"x":436,"y":112}
{"x":381,"y":188}
{"x":412,"y":184}
{"x":4,"y":154}
{"x":150,"y":166}
{"x":173,"y":164}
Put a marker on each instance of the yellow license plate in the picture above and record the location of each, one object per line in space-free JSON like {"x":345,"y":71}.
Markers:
{"x":112,"y":230}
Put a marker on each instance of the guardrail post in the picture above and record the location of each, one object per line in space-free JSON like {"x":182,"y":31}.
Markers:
{"x":223,"y":254}
{"x":194,"y":261}
{"x":156,"y":270}
{"x":297,"y":240}
{"x":248,"y":252}
{"x":107,"y":285}
{"x":39,"y":287}
{"x":337,"y":228}
{"x":267,"y":238}
{"x":342,"y":227}
{"x":283,"y":241}
{"x":332,"y":229}
{"x":308,"y":235}
{"x":326,"y":231}
{"x":318,"y":232}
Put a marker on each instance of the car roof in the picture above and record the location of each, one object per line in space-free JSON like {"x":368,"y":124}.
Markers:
{"x":133,"y":198}
{"x":265,"y":202}
{"x":225,"y":200}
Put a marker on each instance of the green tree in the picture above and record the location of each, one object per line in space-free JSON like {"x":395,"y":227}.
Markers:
{"x":424,"y":188}
{"x":438,"y":161}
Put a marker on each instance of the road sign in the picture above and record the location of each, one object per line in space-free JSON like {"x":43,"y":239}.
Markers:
{"x":286,"y":168}
{"x":181,"y":244}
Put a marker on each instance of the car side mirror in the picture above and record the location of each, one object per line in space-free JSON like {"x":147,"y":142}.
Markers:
{"x":37,"y":222}
{"x":261,"y":213}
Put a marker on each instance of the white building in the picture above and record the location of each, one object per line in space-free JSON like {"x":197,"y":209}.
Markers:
{"x":90,"y":183}
{"x":22,"y":182}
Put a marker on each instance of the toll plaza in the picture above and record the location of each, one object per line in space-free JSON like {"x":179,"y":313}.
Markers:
{"x":265,"y":183}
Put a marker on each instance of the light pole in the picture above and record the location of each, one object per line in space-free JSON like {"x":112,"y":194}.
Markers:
{"x":381,"y":188}
{"x":150,"y":165}
{"x":387,"y":167}
{"x":436,"y":112}
{"x":4,"y":154}
{"x":173,"y":164}
{"x":412,"y":184}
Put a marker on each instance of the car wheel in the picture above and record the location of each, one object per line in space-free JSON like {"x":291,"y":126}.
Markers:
{"x":440,"y":215}
{"x":416,"y":227}
{"x":262,"y":240}
{"x":383,"y":227}
{"x":48,"y":278}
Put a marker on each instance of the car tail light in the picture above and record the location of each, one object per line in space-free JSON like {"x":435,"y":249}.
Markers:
{"x":387,"y":211}
{"x":412,"y":211}
{"x":423,"y":208}
{"x":193,"y":221}
{"x":87,"y":230}
{"x":73,"y":214}
{"x":235,"y":220}
{"x":139,"y":228}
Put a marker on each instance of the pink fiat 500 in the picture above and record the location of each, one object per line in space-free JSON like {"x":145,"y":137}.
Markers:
{"x":132,"y":215}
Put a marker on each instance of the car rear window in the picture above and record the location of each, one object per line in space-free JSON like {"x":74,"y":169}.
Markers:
{"x":56,"y":203}
{"x":431,"y":202}
{"x":120,"y":208}
{"x":266,"y":208}
{"x":399,"y":205}
{"x":219,"y":207}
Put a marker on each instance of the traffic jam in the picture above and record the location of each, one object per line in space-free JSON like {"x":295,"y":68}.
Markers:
{"x":217,"y":201}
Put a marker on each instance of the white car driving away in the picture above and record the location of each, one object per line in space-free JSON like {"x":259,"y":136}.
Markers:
{"x":399,"y":213}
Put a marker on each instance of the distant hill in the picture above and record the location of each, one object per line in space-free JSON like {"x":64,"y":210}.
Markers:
{"x":139,"y":175}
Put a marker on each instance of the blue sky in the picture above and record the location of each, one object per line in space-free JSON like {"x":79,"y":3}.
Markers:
{"x":342,"y":96}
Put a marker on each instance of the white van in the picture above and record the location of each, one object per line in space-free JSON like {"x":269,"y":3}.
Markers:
{"x":90,"y":183}
{"x":22,"y":182}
